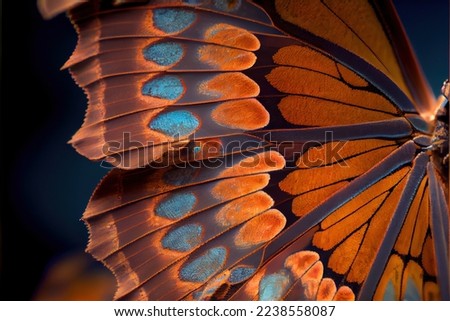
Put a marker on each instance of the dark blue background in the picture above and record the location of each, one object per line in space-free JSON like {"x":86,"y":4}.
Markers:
{"x":45,"y":183}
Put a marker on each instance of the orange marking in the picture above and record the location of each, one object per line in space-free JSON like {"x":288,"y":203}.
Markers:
{"x":310,"y":111}
{"x":403,"y":243}
{"x":293,"y":80}
{"x":392,"y":275}
{"x":235,"y":187}
{"x":305,"y":203}
{"x":422,"y":224}
{"x":333,"y":235}
{"x":343,"y":26}
{"x":344,"y":293}
{"x":244,"y":208}
{"x":327,"y":290}
{"x":230,"y":85}
{"x":311,"y":280}
{"x":431,"y":292}
{"x":231,"y":36}
{"x":351,"y":77}
{"x":323,"y":154}
{"x":365,"y":197}
{"x":305,"y":57}
{"x":225,"y":58}
{"x":414,"y":272}
{"x":260,"y":229}
{"x":300,"y":262}
{"x":428,"y":257}
{"x":295,"y":182}
{"x":262,"y":162}
{"x":251,"y":288}
{"x":248,"y":114}
{"x":342,"y":257}
{"x":374,"y":235}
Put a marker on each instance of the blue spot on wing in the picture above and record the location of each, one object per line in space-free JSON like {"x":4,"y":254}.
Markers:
{"x":412,"y":292}
{"x":273,"y":286}
{"x":203,"y":267}
{"x":176,"y":123}
{"x":166,"y":87}
{"x":172,"y":20}
{"x":240,"y":274}
{"x":183,"y":238}
{"x":176,"y":206}
{"x":389,"y":292}
{"x":164,"y":54}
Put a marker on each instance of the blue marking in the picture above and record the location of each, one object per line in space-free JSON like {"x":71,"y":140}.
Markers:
{"x":204,"y":266}
{"x":164,"y":54}
{"x":166,"y":87}
{"x":176,"y":206}
{"x":179,"y":176}
{"x":412,"y":292}
{"x":227,"y":5}
{"x":389,"y":292}
{"x":183,"y":238}
{"x":272,"y":287}
{"x":240,"y":274}
{"x":175,"y":123}
{"x":172,"y":20}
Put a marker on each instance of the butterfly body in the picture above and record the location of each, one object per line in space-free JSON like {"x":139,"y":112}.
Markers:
{"x":270,"y":150}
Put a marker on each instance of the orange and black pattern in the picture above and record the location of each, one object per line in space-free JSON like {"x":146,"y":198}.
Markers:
{"x":266,"y":150}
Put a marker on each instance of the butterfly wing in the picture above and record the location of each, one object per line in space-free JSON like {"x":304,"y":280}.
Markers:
{"x":283,"y":160}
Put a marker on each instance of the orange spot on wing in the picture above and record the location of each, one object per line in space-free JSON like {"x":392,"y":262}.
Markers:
{"x":374,"y":235}
{"x":300,"y":262}
{"x":344,"y":293}
{"x":225,"y":58}
{"x":241,"y":209}
{"x":260,"y":229}
{"x":422,"y":224}
{"x":428,"y":257}
{"x":305,"y":57}
{"x":351,"y":77}
{"x":327,"y":290}
{"x":292,"y":80}
{"x":230,"y":86}
{"x":263,"y":162}
{"x":403,"y":243}
{"x":343,"y":256}
{"x":310,"y":111}
{"x":431,"y":291}
{"x":235,"y":187}
{"x":305,"y":203}
{"x":311,"y":280}
{"x":248,"y":114}
{"x":295,"y":182}
{"x":232,"y":36}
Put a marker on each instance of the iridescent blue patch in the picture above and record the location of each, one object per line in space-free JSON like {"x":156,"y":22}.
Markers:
{"x":204,"y":266}
{"x":183,"y":238}
{"x":179,"y":176}
{"x":176,"y":206}
{"x":172,"y":20}
{"x":164,"y":54}
{"x":273,"y":286}
{"x":240,"y":274}
{"x":412,"y":292}
{"x":166,"y":87}
{"x":177,"y":123}
{"x":389,"y":292}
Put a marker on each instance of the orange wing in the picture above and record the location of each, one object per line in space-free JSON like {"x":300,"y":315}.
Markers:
{"x":288,"y":159}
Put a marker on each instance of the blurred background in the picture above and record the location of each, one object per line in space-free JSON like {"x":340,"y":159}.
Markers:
{"x":46,"y":184}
